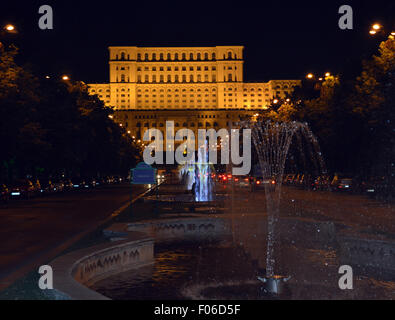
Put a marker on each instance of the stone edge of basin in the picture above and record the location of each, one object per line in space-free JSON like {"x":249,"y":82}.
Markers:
{"x":101,"y":261}
{"x":68,"y":285}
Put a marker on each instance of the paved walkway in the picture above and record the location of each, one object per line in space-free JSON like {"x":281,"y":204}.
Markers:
{"x":35,"y":231}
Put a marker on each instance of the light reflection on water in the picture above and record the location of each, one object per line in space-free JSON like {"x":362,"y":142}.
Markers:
{"x":224,"y":271}
{"x":175,"y":267}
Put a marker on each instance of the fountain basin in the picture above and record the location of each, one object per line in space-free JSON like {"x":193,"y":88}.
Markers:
{"x":275,"y":284}
{"x":184,"y":201}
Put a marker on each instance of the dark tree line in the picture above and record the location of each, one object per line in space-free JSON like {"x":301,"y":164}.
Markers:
{"x":354,"y":119}
{"x":50,"y":127}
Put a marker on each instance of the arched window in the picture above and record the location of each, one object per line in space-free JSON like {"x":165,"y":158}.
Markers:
{"x":146,"y":56}
{"x":184,"y":78}
{"x":122,"y":78}
{"x":161,"y":78}
{"x":229,"y":55}
{"x":168,"y":56}
{"x":146,"y":78}
{"x":206,"y":56}
{"x":161,"y":56}
{"x":184,"y":57}
{"x":176,"y":78}
{"x":176,"y":56}
{"x":139,"y":78}
{"x":229,"y":77}
{"x":191,"y":56}
{"x":154,"y":56}
{"x":168,"y":78}
{"x":139,"y":56}
{"x":191,"y":78}
{"x":199,"y":56}
{"x":199,"y":78}
{"x":123,"y":56}
{"x":213,"y":56}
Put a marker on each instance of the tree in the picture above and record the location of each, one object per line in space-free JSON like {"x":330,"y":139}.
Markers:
{"x":55,"y":127}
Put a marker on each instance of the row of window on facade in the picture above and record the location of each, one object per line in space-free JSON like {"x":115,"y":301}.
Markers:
{"x":176,"y":101}
{"x":176,"y":56}
{"x":177,"y":90}
{"x":176,"y":68}
{"x":203,"y":116}
{"x":177,"y":79}
{"x":185,"y":125}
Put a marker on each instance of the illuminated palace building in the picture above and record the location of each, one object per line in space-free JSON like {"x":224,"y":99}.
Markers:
{"x":196,"y":87}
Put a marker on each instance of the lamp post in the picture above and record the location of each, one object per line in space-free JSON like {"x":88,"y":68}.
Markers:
{"x":7,"y":29}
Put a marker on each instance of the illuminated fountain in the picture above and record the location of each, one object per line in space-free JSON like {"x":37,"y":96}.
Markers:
{"x":272,"y":142}
{"x":198,"y":176}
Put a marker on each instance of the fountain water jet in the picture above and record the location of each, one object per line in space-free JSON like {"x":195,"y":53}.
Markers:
{"x":197,"y":176}
{"x":272,"y":142}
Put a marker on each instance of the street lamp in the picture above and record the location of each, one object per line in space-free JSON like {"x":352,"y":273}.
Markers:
{"x":10,"y":28}
{"x":327,"y":74}
{"x":65,"y":78}
{"x":310,"y":76}
{"x":376,"y":27}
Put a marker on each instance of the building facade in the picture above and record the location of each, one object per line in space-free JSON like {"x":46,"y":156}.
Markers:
{"x":196,"y":87}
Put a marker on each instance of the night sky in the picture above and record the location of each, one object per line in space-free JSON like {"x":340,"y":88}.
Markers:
{"x":282,"y":39}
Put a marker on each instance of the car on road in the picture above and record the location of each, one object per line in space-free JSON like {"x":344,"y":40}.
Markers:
{"x":67,"y":184}
{"x":58,"y":185}
{"x":45,"y":186}
{"x":91,"y":183}
{"x":321,"y":183}
{"x":261,"y":183}
{"x":22,"y":188}
{"x":343,"y":185}
{"x":372,"y":186}
{"x":79,"y":183}
{"x":225,"y":178}
{"x":242,"y":181}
